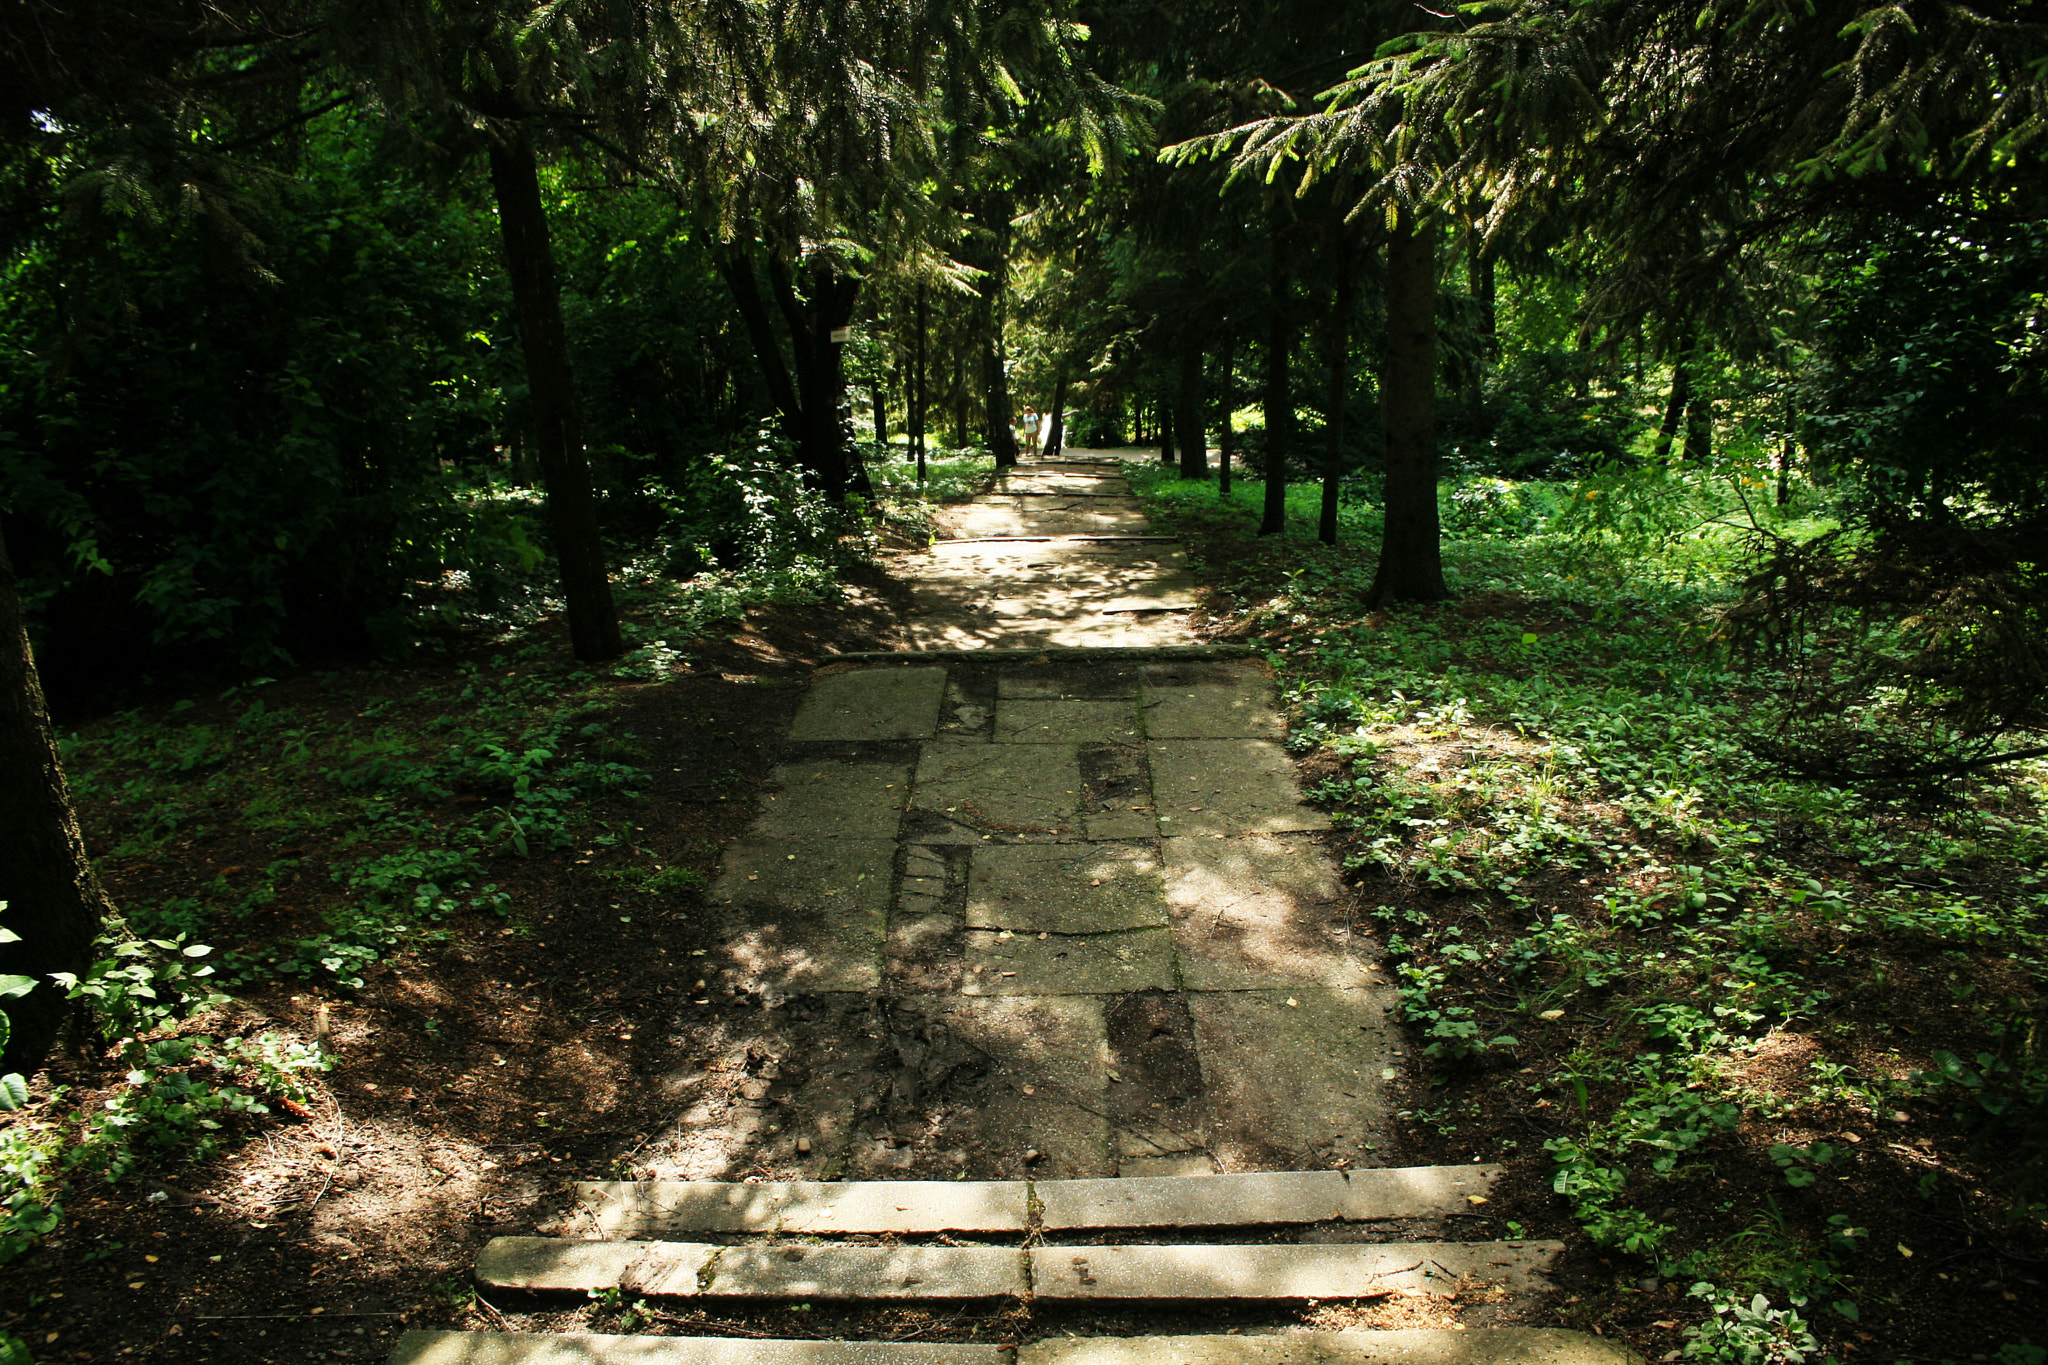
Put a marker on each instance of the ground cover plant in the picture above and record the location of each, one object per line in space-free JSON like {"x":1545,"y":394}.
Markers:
{"x":1767,"y":1046}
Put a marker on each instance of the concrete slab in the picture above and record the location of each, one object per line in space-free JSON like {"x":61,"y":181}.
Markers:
{"x":1057,"y":1050}
{"x":1406,"y":1346}
{"x":1104,"y":964}
{"x":536,"y":1348}
{"x":1283,"y":1272}
{"x":1227,"y":787}
{"x":806,"y":915}
{"x":553,"y":1265}
{"x":871,"y":704}
{"x":868,"y":1272}
{"x":1264,"y":1198}
{"x":834,"y":801}
{"x":1211,"y":701}
{"x":1030,"y":790}
{"x":1065,"y":888}
{"x":661,"y":1208}
{"x":1261,"y":911}
{"x":1066,"y":722}
{"x":1293,"y":1077}
{"x":1066,"y":683}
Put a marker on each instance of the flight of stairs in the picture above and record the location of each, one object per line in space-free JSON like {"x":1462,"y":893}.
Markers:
{"x":893,"y":1243}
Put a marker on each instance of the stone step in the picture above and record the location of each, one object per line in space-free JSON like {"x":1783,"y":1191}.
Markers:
{"x":664,"y":1208}
{"x":1426,"y":1346}
{"x":1266,"y":1273}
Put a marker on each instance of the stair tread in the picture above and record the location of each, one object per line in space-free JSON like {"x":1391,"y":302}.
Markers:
{"x":1243,"y":1273}
{"x":1410,"y":1346}
{"x":1265,"y":1198}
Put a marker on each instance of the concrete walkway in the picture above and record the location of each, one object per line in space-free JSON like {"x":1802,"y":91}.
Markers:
{"x":1058,"y":552}
{"x":1032,"y":924}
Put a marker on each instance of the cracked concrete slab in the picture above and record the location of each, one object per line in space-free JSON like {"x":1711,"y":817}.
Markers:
{"x":1065,"y":888}
{"x":1227,"y":787}
{"x":1003,"y":963}
{"x":1048,"y":1064}
{"x":1027,"y":790}
{"x":1211,"y":701}
{"x":871,"y":704}
{"x":834,"y":801}
{"x":1260,"y":911}
{"x":1022,"y":721}
{"x":1295,"y":1078}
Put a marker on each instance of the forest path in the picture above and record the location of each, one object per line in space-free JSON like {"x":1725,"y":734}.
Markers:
{"x":1056,"y":553}
{"x":1023,"y":934}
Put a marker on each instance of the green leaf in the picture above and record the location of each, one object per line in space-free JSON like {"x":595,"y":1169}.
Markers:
{"x":1848,"y":1310}
{"x":12,"y":985}
{"x":13,"y":1352}
{"x":1529,"y":639}
{"x":13,"y":1092}
{"x":198,"y":949}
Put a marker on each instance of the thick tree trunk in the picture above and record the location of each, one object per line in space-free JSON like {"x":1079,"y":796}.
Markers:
{"x":1681,"y":396}
{"x":1188,"y":424}
{"x":1056,"y":429}
{"x":1411,"y":553}
{"x":1340,"y":386}
{"x":917,"y":400}
{"x":558,"y":431}
{"x":1699,"y":430}
{"x":54,"y":902}
{"x":1226,"y":435}
{"x":737,"y":268}
{"x":1279,"y":400}
{"x":824,"y":431}
{"x":1002,"y":435}
{"x":1165,"y":432}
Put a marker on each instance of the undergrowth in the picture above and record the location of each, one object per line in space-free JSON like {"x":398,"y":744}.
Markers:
{"x":1603,"y":905}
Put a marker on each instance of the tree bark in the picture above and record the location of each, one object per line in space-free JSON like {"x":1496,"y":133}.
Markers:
{"x":1340,"y":383}
{"x":1279,"y":400}
{"x":1226,"y":434}
{"x":1188,"y":424}
{"x":1411,"y":552}
{"x":1699,"y":430}
{"x":1681,"y":397}
{"x":558,"y":431}
{"x":1056,"y":429}
{"x":737,"y":268}
{"x":54,"y":901}
{"x":1485,"y":293}
{"x":1165,"y":432}
{"x":876,"y":397}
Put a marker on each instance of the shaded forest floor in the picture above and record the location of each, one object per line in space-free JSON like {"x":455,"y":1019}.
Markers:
{"x":1710,"y":1004}
{"x":1725,"y":1026}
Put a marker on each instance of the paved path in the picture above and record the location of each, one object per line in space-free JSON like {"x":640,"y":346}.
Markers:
{"x":1021,"y":936}
{"x":1058,"y":552}
{"x":1089,"y":881}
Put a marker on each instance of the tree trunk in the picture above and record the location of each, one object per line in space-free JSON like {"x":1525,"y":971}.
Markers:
{"x":1411,"y":553}
{"x":917,"y":399}
{"x":876,"y":398}
{"x":824,"y":430}
{"x":1485,"y":293}
{"x":1188,"y":424}
{"x":1340,"y":383}
{"x":1165,"y":432}
{"x":1279,"y":401}
{"x":1681,"y":396}
{"x":54,"y":901}
{"x":1699,"y":430}
{"x":1227,"y":400}
{"x":1785,"y":472}
{"x":1056,"y":429}
{"x":737,"y":267}
{"x":558,"y":433}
